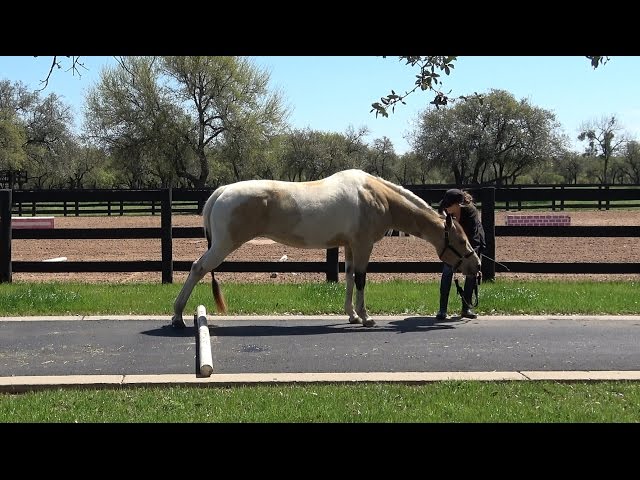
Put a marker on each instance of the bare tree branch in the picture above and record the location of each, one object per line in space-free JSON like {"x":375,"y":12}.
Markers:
{"x":74,"y":68}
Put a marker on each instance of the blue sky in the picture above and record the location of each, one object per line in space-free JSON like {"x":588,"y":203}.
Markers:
{"x":332,"y":93}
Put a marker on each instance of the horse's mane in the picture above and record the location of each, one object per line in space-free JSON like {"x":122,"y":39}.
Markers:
{"x":408,"y":194}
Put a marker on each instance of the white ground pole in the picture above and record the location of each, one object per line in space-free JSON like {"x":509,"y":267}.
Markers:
{"x":203,"y":342}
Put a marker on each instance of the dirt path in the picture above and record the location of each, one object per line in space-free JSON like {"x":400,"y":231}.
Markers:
{"x":388,"y":249}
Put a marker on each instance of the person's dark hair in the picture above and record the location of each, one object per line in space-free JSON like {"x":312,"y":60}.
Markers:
{"x":453,"y":196}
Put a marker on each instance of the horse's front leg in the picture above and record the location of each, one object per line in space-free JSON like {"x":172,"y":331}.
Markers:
{"x":360,"y":262}
{"x":348,"y":301}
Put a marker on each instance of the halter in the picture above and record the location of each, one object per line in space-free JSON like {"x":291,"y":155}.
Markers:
{"x":447,"y":245}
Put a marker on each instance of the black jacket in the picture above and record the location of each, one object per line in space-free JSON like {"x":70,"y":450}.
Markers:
{"x":472,"y":225}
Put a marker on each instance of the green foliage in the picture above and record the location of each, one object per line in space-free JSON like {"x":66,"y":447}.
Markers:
{"x":12,"y":139}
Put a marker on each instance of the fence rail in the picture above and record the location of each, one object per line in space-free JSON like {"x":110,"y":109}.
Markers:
{"x":167,"y":202}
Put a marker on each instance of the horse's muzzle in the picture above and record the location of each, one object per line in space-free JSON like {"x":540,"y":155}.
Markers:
{"x":472,"y":266}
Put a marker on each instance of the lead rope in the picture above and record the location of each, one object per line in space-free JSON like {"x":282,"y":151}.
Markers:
{"x":473,"y":292}
{"x":475,"y":289}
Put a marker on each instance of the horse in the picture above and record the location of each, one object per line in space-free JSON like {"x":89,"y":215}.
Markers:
{"x":350,"y":208}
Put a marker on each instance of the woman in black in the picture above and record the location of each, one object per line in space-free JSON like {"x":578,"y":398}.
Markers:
{"x":459,"y":204}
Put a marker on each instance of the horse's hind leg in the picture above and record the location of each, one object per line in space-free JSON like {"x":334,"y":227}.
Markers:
{"x":348,"y":271}
{"x":205,"y":264}
{"x":361,"y":256}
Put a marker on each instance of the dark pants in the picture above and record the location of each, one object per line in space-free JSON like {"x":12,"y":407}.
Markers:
{"x":470,"y":282}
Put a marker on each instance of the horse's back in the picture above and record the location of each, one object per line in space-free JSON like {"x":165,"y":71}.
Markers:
{"x":313,"y":214}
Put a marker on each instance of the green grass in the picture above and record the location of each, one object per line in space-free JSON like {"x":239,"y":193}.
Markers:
{"x":469,"y":402}
{"x":397,"y":297}
{"x":481,"y":402}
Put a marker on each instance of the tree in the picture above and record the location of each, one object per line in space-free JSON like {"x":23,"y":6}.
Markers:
{"x":603,"y":140}
{"x":313,"y":154}
{"x":570,"y":166}
{"x":12,"y":140}
{"x":174,"y":115}
{"x":490,"y":139}
{"x":128,"y":114}
{"x":381,"y":158}
{"x":406,"y":170}
{"x":226,"y":98}
{"x":43,"y":127}
{"x":86,"y":168}
{"x":631,"y":158}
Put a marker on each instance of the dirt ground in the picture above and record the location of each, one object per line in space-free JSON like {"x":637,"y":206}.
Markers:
{"x":388,"y":249}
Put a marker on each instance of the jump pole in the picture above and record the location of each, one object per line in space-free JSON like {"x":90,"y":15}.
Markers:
{"x":204,"y":361}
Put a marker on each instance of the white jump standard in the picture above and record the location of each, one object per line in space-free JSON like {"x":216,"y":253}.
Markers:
{"x":203,"y":342}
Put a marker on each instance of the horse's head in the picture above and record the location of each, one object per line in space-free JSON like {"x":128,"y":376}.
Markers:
{"x":456,"y":249}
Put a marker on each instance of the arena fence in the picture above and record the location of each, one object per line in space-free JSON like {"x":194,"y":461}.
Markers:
{"x":167,"y":202}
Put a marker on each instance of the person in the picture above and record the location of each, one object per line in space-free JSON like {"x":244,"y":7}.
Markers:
{"x":459,"y":204}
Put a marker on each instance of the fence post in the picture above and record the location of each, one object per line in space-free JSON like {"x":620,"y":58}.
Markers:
{"x":332,"y":264}
{"x":5,"y":236}
{"x":600,"y":197}
{"x":488,"y":198}
{"x":166,"y":237}
{"x":519,"y":198}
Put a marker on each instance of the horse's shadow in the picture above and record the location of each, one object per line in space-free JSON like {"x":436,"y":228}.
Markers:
{"x":406,"y":325}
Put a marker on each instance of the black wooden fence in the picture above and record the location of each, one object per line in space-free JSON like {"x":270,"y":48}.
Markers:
{"x":169,"y":201}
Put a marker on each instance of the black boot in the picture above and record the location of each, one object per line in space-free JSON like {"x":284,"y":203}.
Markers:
{"x":470,"y":283}
{"x":445,"y":288}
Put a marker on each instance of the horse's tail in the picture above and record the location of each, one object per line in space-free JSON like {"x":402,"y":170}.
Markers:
{"x":221,"y":305}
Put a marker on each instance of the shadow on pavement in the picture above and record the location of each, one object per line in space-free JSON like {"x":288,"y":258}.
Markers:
{"x":407,"y":325}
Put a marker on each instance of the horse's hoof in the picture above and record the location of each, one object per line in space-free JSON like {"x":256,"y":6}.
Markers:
{"x":178,"y":322}
{"x":369,"y":322}
{"x":355,"y":320}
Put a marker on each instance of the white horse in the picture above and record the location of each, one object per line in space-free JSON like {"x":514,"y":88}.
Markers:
{"x":351,"y":208}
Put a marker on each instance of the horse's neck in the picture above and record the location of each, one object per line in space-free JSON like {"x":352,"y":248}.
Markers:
{"x":411,"y":214}
{"x":418,"y":222}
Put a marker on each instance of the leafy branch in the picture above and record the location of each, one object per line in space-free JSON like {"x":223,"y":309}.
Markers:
{"x":429,"y":77}
{"x":596,"y":61}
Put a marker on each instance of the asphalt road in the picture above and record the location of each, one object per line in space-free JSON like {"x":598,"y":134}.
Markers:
{"x":48,"y":349}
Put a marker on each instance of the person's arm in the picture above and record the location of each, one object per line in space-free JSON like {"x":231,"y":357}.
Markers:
{"x":472,"y":225}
